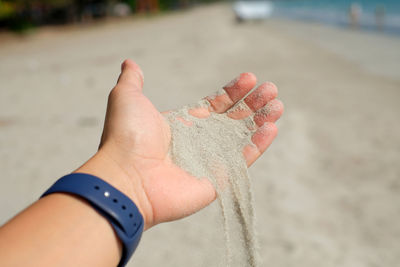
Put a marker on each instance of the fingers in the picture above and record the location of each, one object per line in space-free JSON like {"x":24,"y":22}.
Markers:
{"x":254,"y":101}
{"x":265,"y":118}
{"x":264,"y":93}
{"x":271,"y":112}
{"x":240,"y":111}
{"x":131,"y":77}
{"x":261,"y":139}
{"x":232,"y":93}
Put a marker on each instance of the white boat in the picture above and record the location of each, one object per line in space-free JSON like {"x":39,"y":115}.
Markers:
{"x":253,"y":10}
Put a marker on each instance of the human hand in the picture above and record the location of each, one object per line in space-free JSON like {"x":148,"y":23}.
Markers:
{"x":133,"y":153}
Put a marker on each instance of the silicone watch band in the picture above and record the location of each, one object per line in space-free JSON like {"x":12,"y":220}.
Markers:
{"x":116,"y":207}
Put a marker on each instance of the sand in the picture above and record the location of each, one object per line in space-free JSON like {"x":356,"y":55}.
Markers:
{"x":326,"y":192}
{"x":212,"y":147}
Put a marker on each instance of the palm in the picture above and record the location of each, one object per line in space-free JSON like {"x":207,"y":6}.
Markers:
{"x":149,"y":152}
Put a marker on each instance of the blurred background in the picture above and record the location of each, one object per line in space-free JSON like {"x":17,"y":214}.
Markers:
{"x":327,"y":192}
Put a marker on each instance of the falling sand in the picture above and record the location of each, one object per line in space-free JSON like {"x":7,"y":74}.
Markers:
{"x":212,"y":147}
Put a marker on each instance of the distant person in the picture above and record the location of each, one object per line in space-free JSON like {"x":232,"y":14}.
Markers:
{"x":355,"y":13}
{"x":95,"y":216}
{"x":380,"y":16}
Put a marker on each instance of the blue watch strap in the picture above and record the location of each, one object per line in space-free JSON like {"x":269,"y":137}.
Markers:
{"x":116,"y":207}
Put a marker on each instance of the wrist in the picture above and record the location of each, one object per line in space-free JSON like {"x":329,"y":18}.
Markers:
{"x":105,"y":167}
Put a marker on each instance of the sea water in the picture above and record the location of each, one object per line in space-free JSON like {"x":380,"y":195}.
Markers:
{"x":336,"y":12}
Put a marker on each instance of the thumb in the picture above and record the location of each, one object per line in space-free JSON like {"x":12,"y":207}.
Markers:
{"x":131,"y":77}
{"x":129,"y":81}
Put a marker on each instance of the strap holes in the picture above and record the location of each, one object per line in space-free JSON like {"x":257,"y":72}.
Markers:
{"x":130,"y":215}
{"x":97,"y":187}
{"x":123,"y":207}
{"x":115,"y":200}
{"x":134,"y":224}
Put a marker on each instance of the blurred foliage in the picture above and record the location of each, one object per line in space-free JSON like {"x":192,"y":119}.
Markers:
{"x":20,"y":15}
{"x":6,"y":9}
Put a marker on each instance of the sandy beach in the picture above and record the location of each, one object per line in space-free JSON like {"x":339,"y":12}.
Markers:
{"x":327,"y":192}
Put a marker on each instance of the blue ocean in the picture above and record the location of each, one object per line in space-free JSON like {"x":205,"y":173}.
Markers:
{"x":375,"y":15}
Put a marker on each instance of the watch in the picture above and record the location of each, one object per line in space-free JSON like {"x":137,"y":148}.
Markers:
{"x":116,"y":207}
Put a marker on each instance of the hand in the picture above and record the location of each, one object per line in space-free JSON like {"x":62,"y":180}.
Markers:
{"x":133,"y":153}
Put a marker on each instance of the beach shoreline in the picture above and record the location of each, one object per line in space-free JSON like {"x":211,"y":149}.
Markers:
{"x":325,"y":191}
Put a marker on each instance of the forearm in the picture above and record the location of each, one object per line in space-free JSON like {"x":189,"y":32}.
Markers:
{"x":62,"y":230}
{"x":65,"y":229}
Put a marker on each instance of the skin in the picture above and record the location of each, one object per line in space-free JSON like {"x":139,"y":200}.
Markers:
{"x":132,"y":157}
